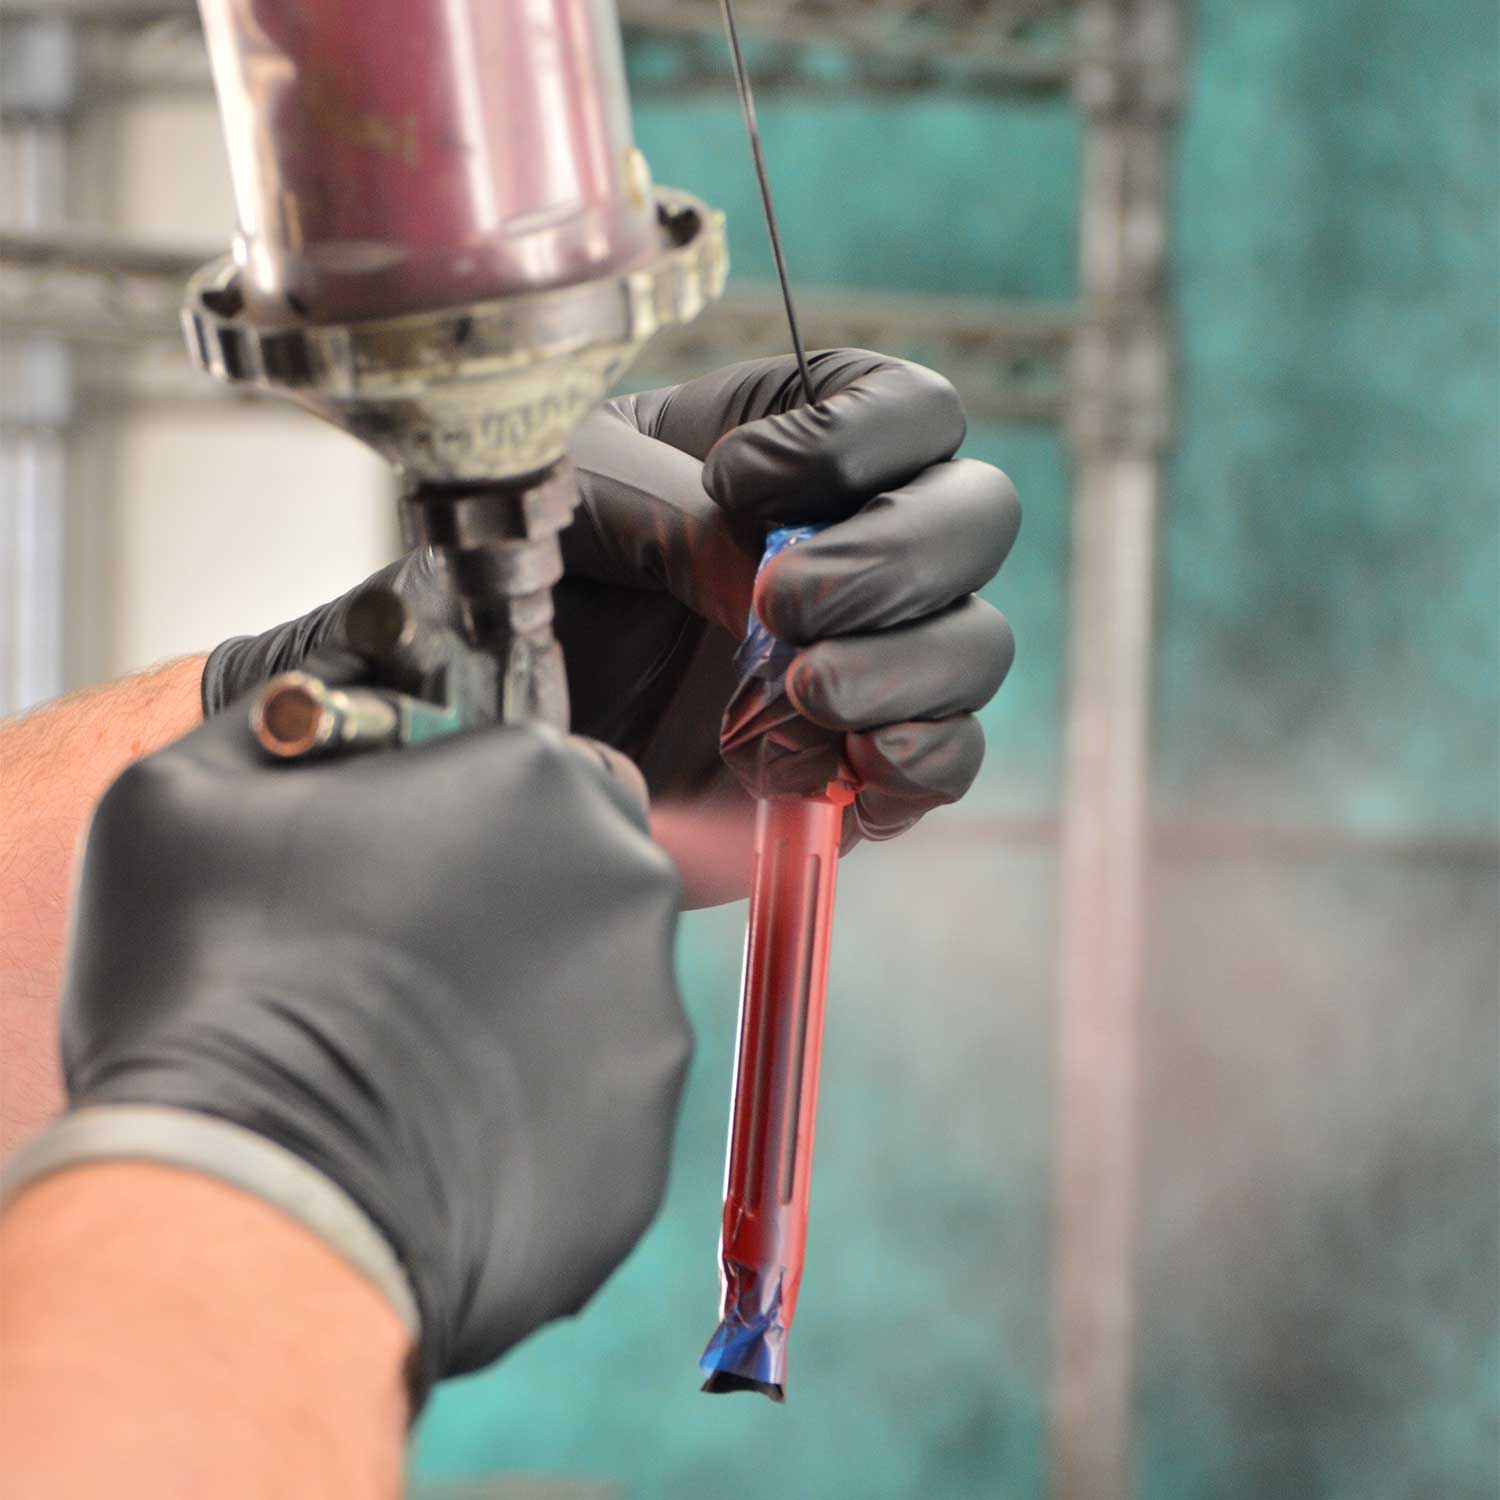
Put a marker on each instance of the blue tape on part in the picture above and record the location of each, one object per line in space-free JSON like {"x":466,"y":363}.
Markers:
{"x":760,"y":654}
{"x":748,"y":1349}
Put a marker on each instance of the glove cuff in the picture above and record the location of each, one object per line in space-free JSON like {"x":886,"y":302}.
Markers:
{"x":218,"y":673}
{"x":233,"y":1155}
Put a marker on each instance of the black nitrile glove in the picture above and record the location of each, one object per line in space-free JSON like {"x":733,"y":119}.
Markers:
{"x":442,"y":976}
{"x":678,"y":488}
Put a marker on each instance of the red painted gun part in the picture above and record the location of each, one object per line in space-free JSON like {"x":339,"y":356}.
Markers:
{"x":394,"y":156}
{"x":783,"y":995}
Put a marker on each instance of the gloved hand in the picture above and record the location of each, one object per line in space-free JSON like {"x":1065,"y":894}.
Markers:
{"x":441,"y":976}
{"x":678,"y":488}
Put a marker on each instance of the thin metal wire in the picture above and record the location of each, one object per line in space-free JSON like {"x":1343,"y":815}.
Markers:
{"x":752,"y":129}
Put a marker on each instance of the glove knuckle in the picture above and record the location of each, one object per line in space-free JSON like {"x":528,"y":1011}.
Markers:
{"x":1008,"y":497}
{"x":417,"y":577}
{"x":814,"y":682}
{"x":665,"y":877}
{"x":993,"y":646}
{"x":936,"y":389}
{"x":936,"y":396}
{"x":783,"y":604}
{"x":1004,"y":508}
{"x":1003,"y":638}
{"x":138,"y":799}
{"x":962,"y":760}
{"x":647,"y":1207}
{"x":681,"y":1045}
{"x":991,"y":486}
{"x":842,"y":471}
{"x":642,"y":1207}
{"x":548,"y":766}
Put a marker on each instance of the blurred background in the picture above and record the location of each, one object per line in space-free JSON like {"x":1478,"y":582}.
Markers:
{"x":1160,"y":1139}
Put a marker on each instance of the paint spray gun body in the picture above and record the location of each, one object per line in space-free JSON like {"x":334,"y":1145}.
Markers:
{"x":450,"y":248}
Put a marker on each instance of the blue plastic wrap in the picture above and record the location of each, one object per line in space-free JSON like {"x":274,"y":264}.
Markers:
{"x":748,"y":1349}
{"x":773,"y":750}
{"x":760,"y":653}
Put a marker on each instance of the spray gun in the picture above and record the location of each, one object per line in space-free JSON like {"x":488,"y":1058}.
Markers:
{"x":450,"y":248}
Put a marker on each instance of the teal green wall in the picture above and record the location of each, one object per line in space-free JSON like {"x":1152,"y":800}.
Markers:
{"x":1318,"y":1245}
{"x":1329,"y":621}
{"x":1319,"y":1266}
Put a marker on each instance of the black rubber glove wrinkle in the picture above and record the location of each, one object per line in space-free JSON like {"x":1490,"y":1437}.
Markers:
{"x":677,"y":489}
{"x":240,"y":664}
{"x":442,"y":976}
{"x":770,"y":457}
{"x":910,"y":552}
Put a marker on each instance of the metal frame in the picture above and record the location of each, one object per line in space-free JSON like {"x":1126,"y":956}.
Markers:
{"x":1009,"y":359}
{"x":902,"y":44}
{"x":37,"y":95}
{"x":1128,"y":86}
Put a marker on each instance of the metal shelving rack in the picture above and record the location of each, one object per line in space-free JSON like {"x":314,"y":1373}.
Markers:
{"x":1100,"y":369}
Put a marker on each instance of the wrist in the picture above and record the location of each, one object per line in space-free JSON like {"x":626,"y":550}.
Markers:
{"x":157,"y":1343}
{"x":55,"y":762}
{"x":184,"y":1140}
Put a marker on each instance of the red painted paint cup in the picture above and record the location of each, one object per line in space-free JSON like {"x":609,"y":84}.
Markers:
{"x":396,"y":156}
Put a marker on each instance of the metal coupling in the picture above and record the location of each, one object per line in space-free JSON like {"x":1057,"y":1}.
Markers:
{"x":297,"y":715}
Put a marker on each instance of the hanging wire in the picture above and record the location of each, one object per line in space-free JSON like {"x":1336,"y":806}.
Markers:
{"x":752,"y":129}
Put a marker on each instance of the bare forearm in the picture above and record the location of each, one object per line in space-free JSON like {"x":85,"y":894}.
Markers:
{"x":55,"y":762}
{"x":166,"y":1336}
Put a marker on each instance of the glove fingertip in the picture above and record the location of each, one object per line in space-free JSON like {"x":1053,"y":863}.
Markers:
{"x":936,"y":760}
{"x":821,"y":462}
{"x":782,"y":601}
{"x":616,"y":765}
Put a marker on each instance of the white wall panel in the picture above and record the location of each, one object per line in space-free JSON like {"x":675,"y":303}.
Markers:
{"x":229,"y":521}
{"x":214,"y":519}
